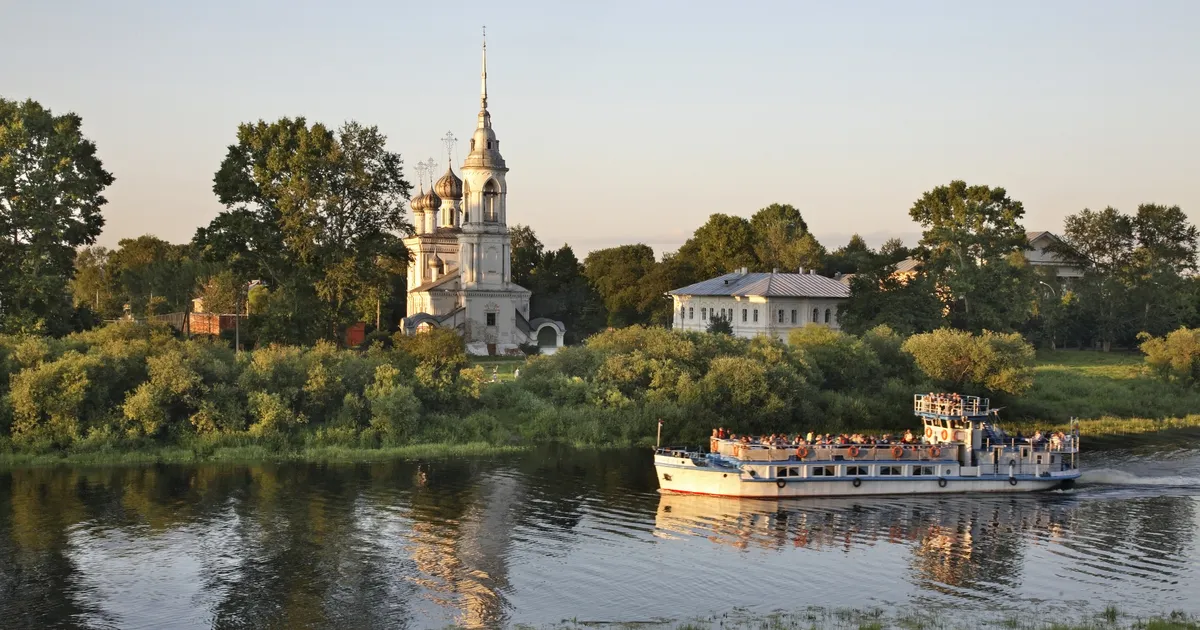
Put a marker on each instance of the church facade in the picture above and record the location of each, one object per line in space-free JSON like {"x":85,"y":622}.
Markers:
{"x":460,"y":276}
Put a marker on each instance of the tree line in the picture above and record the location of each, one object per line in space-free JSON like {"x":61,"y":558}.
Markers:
{"x":310,"y":241}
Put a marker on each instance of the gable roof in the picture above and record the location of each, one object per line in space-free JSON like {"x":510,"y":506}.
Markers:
{"x":908,"y":264}
{"x":768,"y":285}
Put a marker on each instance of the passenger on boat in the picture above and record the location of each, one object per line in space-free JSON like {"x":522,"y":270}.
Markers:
{"x":908,"y":436}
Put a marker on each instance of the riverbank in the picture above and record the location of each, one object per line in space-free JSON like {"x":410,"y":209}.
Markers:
{"x":252,"y":454}
{"x":811,"y":617}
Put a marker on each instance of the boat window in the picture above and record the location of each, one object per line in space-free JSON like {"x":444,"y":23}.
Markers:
{"x":787,"y":471}
{"x":823,"y":471}
{"x":852,"y":471}
{"x":923,"y":470}
{"x":891,"y":470}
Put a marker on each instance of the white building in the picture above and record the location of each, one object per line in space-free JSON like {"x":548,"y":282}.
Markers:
{"x":1040,"y":256}
{"x":760,"y":303}
{"x":461,"y":276}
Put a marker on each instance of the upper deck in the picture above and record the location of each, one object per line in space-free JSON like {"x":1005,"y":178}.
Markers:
{"x":950,"y":406}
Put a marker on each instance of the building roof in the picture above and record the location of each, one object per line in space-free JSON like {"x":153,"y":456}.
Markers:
{"x":908,"y":264}
{"x":773,"y":284}
{"x":429,"y":286}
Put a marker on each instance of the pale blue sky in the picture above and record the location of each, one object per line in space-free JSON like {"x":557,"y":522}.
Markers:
{"x":631,"y":122}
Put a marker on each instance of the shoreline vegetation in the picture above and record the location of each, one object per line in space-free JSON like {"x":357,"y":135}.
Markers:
{"x":136,"y":393}
{"x":814,"y":617}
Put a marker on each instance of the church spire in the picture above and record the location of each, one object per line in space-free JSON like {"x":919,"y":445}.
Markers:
{"x":483,"y":77}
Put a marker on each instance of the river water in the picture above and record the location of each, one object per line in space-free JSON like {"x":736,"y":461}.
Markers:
{"x":556,"y":534}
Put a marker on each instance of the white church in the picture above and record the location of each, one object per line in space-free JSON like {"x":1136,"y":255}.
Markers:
{"x":461,"y":277}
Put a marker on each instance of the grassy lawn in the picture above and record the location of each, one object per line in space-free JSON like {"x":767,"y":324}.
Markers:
{"x":1096,"y":385}
{"x":503,"y":366}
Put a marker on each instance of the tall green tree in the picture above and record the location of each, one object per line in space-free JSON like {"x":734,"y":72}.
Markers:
{"x":972,"y":247}
{"x":853,"y":257}
{"x":618,"y":275}
{"x":722,"y":244}
{"x":313,"y":211}
{"x":51,"y":185}
{"x":776,"y":231}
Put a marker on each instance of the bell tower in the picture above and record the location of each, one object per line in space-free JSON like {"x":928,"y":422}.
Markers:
{"x":484,"y":247}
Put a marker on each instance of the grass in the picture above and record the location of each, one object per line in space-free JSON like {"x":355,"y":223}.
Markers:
{"x":1099,"y":385}
{"x":251,"y":453}
{"x":503,"y":367}
{"x":876,"y":619}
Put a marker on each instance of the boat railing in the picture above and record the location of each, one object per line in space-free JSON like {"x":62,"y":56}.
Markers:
{"x":1066,"y":444}
{"x":943,"y":405}
{"x":898,"y":451}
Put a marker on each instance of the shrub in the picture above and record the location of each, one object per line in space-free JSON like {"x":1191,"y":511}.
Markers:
{"x":394,"y":406}
{"x":1175,"y":357}
{"x":960,"y":360}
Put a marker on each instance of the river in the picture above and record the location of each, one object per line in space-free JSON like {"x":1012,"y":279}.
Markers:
{"x":557,"y":534}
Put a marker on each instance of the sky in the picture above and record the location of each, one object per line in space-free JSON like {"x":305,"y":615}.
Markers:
{"x":631,"y":122}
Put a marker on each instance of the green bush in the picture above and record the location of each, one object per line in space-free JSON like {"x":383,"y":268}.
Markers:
{"x":1175,"y":357}
{"x":961,"y":361}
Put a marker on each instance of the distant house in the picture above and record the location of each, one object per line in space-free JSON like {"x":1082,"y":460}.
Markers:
{"x":760,"y":303}
{"x":1039,"y":256}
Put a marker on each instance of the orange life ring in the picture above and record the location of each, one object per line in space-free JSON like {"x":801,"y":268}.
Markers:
{"x":802,"y":452}
{"x":853,"y":451}
{"x":897,"y":451}
{"x":935,"y":452}
{"x":945,"y":435}
{"x":928,"y":432}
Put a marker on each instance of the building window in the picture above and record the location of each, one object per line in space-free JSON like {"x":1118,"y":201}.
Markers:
{"x":743,"y":315}
{"x":691,"y":313}
{"x":793,"y":316}
{"x":755,"y":315}
{"x":703,"y":314}
{"x":491,"y":319}
{"x":816,"y":315}
{"x":682,"y":313}
{"x":826,"y":316}
{"x":780,"y":316}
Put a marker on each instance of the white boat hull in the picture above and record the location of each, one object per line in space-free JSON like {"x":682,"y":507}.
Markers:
{"x":729,"y":483}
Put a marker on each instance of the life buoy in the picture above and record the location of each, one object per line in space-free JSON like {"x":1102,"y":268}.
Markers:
{"x":928,"y":432}
{"x":959,"y":436}
{"x":935,"y":452}
{"x":853,"y":451}
{"x":802,"y":452}
{"x":857,"y":482}
{"x":781,"y":483}
{"x":941,"y":482}
{"x":897,"y":451}
{"x":1012,"y":481}
{"x":945,"y":435}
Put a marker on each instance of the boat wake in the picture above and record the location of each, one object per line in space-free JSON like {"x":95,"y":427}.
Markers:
{"x":1110,"y":477}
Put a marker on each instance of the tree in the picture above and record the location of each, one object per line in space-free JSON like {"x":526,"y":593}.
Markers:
{"x":853,"y":257}
{"x":971,"y":234}
{"x":878,"y":296}
{"x":1174,"y":357}
{"x":526,"y":254}
{"x":222,"y":293}
{"x":719,"y":325}
{"x":152,"y":273}
{"x":618,"y":275}
{"x":50,"y":198}
{"x":310,"y":207}
{"x":94,"y":283}
{"x":722,"y":244}
{"x":959,"y":360}
{"x":776,"y":230}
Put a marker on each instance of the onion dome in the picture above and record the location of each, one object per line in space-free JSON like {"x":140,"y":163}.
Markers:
{"x":449,"y":186}
{"x":432,"y":203}
{"x":417,"y":204}
{"x":436,"y":263}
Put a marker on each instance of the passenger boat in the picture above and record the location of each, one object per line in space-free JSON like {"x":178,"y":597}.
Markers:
{"x":959,"y":450}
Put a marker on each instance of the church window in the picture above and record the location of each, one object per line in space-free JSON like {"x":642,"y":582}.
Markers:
{"x":793,"y":316}
{"x":489,"y":144}
{"x":816,"y":316}
{"x":756,"y":315}
{"x":826,"y":316}
{"x":682,"y":313}
{"x":780,"y":316}
{"x":491,"y":193}
{"x":491,"y":319}
{"x":703,"y":314}
{"x":472,"y":144}
{"x":691,"y":313}
{"x":743,"y":314}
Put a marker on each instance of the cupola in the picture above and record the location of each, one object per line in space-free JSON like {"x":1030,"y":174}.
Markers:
{"x":449,"y":186}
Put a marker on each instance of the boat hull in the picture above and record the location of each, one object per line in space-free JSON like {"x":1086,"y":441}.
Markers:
{"x":729,"y":483}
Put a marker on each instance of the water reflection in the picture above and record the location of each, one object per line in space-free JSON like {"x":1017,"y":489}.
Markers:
{"x":538,"y":538}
